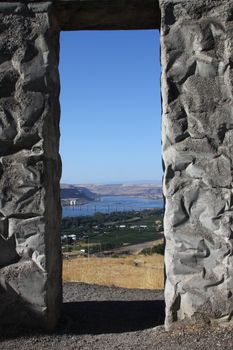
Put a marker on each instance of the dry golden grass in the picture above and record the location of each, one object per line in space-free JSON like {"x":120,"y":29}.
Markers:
{"x":134,"y":271}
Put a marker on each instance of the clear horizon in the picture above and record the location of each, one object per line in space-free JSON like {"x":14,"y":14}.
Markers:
{"x":110,"y":107}
{"x":110,"y":182}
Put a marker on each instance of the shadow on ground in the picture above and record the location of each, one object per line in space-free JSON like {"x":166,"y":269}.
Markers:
{"x":101,"y":317}
{"x":98,"y":317}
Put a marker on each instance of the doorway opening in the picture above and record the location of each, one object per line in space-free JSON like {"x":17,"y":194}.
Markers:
{"x":112,"y":226}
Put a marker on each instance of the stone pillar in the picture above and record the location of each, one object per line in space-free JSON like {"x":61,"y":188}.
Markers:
{"x":30,"y":259}
{"x":197,"y":89}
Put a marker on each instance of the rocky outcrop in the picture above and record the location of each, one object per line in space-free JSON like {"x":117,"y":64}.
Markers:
{"x":196,"y":49}
{"x":30,"y":263}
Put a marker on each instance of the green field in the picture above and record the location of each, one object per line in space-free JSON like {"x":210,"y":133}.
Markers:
{"x":103,"y":232}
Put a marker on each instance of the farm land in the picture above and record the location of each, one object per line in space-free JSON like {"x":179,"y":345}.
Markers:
{"x":123,"y":249}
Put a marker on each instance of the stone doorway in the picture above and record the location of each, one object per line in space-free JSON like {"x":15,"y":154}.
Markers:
{"x":196,"y":55}
{"x":30,"y":93}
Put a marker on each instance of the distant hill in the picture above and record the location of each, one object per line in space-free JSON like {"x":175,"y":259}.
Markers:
{"x":80,"y":194}
{"x":152,"y":191}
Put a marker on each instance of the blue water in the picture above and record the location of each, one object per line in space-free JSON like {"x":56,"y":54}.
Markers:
{"x":108,"y":204}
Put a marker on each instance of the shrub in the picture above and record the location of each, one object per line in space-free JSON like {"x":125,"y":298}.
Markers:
{"x":156,"y":249}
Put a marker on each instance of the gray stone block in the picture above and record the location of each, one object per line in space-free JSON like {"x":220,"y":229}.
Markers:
{"x":196,"y":50}
{"x":30,"y":259}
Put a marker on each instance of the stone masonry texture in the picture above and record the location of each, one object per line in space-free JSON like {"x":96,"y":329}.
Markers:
{"x":30,"y":260}
{"x":197,"y":136}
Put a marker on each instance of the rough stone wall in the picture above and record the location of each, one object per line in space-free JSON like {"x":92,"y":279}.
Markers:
{"x":30,"y":262}
{"x":197,"y":81}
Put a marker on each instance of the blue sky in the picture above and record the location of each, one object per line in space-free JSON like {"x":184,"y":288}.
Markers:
{"x":110,"y":106}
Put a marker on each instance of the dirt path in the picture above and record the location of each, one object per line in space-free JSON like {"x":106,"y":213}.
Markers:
{"x":106,"y":318}
{"x":136,"y":248}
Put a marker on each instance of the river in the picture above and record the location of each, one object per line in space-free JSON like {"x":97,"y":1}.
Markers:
{"x":108,"y":204}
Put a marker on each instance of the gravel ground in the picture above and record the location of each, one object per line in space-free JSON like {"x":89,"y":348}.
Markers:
{"x":105,"y":318}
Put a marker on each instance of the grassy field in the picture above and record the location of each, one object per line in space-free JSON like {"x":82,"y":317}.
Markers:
{"x":103,"y":231}
{"x":134,"y":271}
{"x":121,"y":235}
{"x":126,"y":236}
